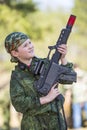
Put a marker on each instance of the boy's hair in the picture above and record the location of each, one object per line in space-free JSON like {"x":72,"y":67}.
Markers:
{"x":13,"y":40}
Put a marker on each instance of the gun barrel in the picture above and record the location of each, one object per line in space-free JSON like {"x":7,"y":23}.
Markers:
{"x":71,"y":21}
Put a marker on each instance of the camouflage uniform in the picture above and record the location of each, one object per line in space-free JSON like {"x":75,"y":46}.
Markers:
{"x":26,"y":99}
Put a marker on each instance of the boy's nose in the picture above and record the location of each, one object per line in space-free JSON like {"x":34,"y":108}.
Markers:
{"x":31,"y":46}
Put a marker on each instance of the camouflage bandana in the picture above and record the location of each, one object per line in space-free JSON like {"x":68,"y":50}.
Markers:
{"x":14,"y":40}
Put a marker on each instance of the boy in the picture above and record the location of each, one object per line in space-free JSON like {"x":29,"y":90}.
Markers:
{"x":39,"y":112}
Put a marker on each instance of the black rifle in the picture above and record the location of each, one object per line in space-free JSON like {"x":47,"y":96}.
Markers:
{"x":54,"y":72}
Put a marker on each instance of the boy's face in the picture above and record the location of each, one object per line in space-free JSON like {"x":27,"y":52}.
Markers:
{"x":25,"y":51}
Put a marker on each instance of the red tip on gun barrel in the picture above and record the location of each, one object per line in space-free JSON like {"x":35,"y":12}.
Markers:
{"x":71,"y":20}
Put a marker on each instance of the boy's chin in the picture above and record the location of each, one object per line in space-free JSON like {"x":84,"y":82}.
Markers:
{"x":32,"y":56}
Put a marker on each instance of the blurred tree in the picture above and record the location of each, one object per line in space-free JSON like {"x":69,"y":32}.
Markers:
{"x":27,"y":6}
{"x":1,"y":1}
{"x":80,"y":37}
{"x":7,"y":2}
{"x":5,"y":107}
{"x":23,"y":5}
{"x":80,"y":9}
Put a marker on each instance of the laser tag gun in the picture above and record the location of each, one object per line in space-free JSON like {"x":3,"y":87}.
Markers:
{"x":55,"y":73}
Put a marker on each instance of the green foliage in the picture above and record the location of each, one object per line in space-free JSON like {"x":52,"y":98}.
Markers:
{"x":25,"y":7}
{"x":5,"y":108}
{"x":13,"y":20}
{"x":7,"y":2}
{"x":43,"y":28}
{"x":80,"y":10}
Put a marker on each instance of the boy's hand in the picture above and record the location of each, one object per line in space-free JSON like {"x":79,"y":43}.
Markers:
{"x":53,"y":93}
{"x":63,"y":50}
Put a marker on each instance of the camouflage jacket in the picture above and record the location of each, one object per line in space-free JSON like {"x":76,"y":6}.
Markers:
{"x":26,"y":100}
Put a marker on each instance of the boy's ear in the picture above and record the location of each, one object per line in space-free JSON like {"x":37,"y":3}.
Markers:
{"x":14,"y":53}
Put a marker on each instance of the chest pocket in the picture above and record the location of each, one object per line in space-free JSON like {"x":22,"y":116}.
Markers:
{"x":28,"y":86}
{"x":27,"y":81}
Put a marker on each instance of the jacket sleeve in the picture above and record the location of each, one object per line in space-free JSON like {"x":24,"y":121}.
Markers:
{"x":69,"y":65}
{"x":23,"y":100}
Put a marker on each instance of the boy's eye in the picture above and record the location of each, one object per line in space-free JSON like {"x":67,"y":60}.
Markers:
{"x":29,"y":42}
{"x":25,"y":45}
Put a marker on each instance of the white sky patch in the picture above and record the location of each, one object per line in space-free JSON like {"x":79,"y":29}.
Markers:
{"x":54,"y":4}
